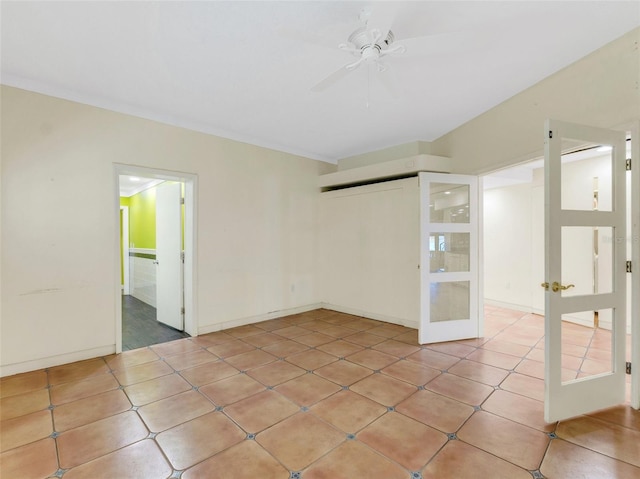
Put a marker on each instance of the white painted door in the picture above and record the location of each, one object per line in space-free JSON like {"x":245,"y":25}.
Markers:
{"x":449,"y":244}
{"x":585,"y":268}
{"x":124,"y":249}
{"x":169,"y":296}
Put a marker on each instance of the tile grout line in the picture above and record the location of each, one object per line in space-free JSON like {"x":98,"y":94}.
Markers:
{"x":54,"y":435}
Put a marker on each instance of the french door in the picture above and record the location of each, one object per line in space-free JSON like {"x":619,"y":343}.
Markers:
{"x":585,"y":268}
{"x":449,"y":250}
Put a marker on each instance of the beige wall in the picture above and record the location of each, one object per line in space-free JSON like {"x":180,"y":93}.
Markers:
{"x":602,"y":89}
{"x":257,"y":213}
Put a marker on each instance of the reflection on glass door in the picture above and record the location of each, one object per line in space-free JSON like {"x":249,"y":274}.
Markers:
{"x":449,"y":257}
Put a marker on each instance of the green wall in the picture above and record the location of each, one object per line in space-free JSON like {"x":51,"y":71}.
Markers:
{"x":142,"y":219}
{"x":124,"y":201}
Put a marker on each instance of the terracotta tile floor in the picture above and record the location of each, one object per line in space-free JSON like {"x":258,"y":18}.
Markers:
{"x":316,"y":395}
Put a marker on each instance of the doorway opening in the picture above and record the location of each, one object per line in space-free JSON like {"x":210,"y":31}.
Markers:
{"x":514,"y":257}
{"x":156,"y":246}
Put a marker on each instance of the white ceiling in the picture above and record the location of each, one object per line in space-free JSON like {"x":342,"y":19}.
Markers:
{"x":130,"y":185}
{"x":235,"y":69}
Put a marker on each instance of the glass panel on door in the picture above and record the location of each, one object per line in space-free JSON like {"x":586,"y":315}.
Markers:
{"x":587,"y":176}
{"x":587,"y":344}
{"x":449,"y":252}
{"x":587,"y":260}
{"x":449,"y":301}
{"x":449,"y":203}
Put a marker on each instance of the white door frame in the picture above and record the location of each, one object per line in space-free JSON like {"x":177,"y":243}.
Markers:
{"x":126,"y":286}
{"x":634,"y":235}
{"x":190,"y":181}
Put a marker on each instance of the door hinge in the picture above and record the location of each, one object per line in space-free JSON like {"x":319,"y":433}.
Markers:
{"x":628,"y":266}
{"x":628,"y":164}
{"x":550,"y":134}
{"x":182,"y":201}
{"x":628,"y":368}
{"x":182,"y":256}
{"x":181,"y":310}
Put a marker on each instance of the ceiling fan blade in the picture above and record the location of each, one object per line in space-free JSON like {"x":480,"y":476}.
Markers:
{"x":382,"y":17}
{"x":331,"y":79}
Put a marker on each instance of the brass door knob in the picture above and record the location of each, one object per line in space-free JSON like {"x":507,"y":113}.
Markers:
{"x":555,"y":287}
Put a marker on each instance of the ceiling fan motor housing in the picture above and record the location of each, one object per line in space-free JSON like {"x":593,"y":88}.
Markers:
{"x":370,"y":48}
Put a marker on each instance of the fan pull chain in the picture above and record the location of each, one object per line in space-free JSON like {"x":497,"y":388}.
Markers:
{"x":368,"y":85}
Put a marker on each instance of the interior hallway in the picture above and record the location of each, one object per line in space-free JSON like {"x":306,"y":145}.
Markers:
{"x":315,"y":395}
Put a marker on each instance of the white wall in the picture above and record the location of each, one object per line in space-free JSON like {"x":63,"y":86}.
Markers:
{"x":370,"y":251}
{"x":257,"y":214}
{"x":508,"y":246}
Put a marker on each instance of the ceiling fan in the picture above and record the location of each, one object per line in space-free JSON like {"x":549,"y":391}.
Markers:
{"x":369,"y":44}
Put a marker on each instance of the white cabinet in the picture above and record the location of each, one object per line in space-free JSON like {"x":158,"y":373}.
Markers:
{"x":370,"y":251}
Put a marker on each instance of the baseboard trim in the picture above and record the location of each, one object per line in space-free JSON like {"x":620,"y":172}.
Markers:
{"x":234,"y":323}
{"x":588,"y":324}
{"x":51,"y":361}
{"x":571,"y":319}
{"x":368,"y":314}
{"x":514,"y":306}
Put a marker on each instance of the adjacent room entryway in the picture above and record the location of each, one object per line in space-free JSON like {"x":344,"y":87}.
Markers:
{"x":156,"y":257}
